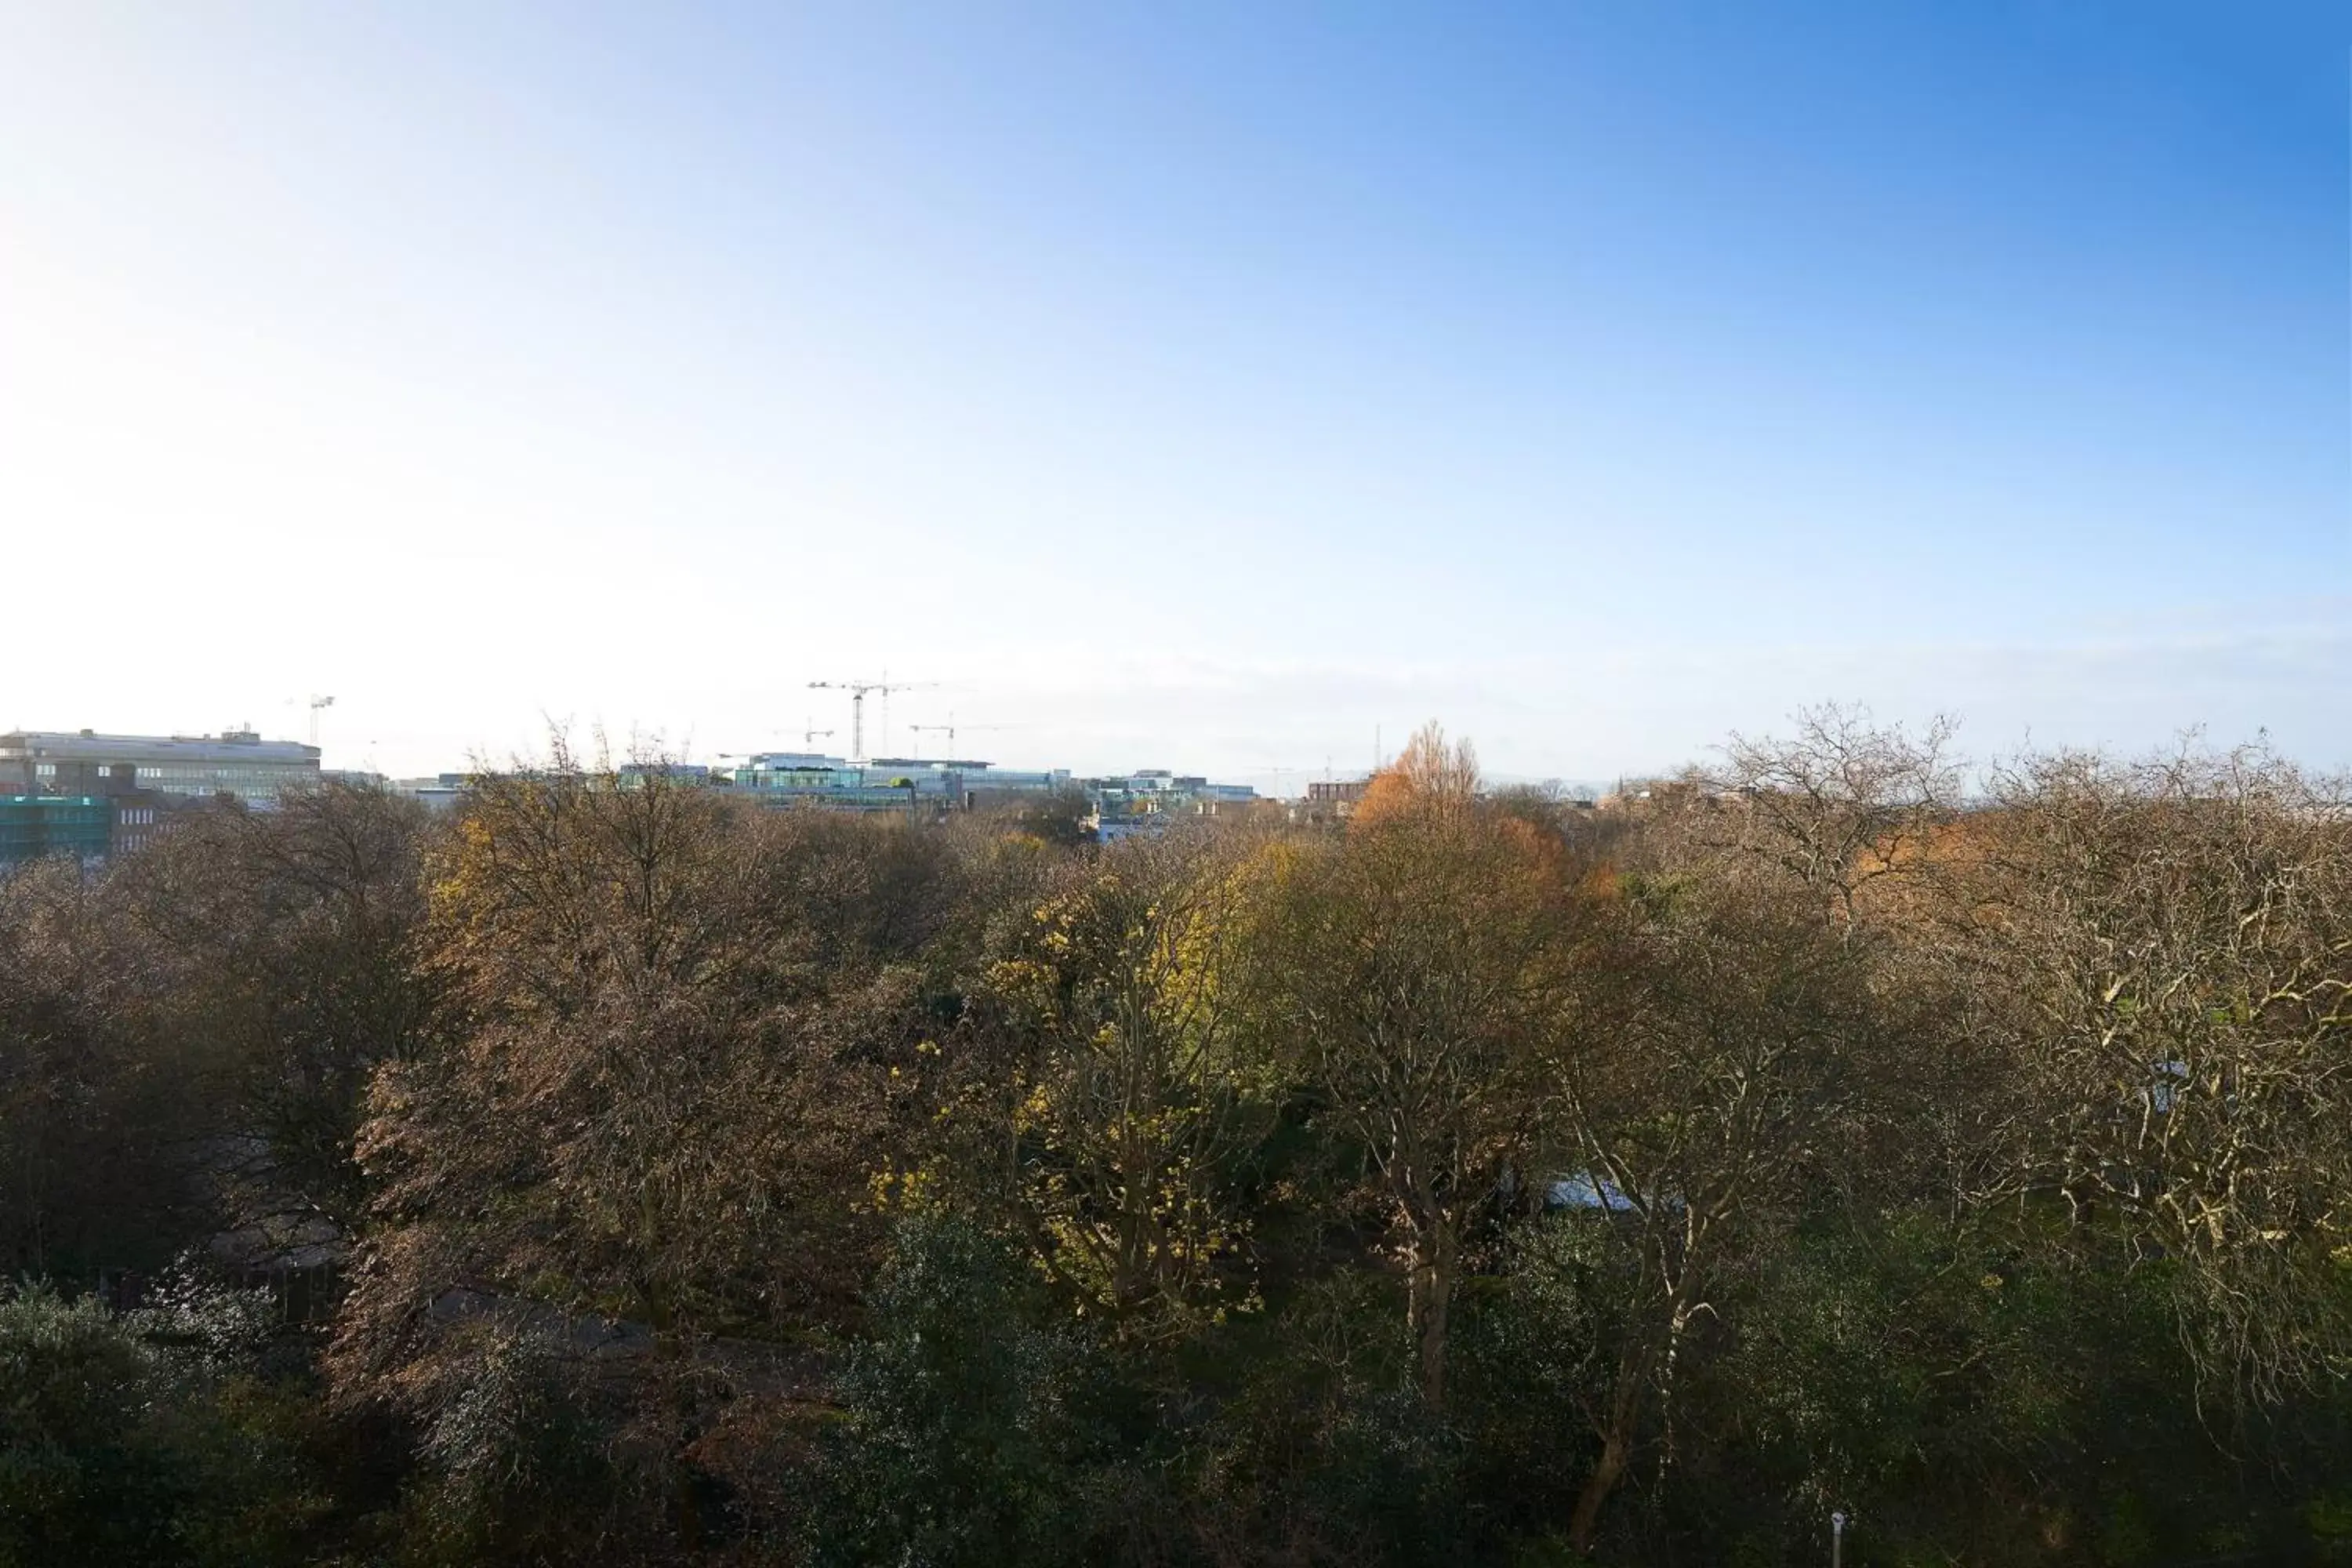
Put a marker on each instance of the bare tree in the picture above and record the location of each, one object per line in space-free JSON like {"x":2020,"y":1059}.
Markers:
{"x":1839,"y":805}
{"x":294,"y":934}
{"x":1704,"y":1083}
{"x":2169,"y":948}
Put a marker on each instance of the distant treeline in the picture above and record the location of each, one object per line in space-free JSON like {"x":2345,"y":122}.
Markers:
{"x":608,"y":1172}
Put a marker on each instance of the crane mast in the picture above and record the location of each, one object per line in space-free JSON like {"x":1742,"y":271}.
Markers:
{"x":857,"y":691}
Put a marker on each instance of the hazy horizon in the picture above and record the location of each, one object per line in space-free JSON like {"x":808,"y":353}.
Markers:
{"x":1207,"y":390}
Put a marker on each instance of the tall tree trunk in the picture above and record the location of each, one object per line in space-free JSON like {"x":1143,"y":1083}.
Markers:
{"x":1429,"y":1303}
{"x":1616,"y":1448}
{"x":669,"y":1358}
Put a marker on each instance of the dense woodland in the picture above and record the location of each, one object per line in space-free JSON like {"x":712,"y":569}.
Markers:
{"x":611,"y":1174}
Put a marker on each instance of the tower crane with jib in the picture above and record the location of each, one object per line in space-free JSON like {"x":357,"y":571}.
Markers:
{"x":951,"y":727}
{"x":857,"y":691}
{"x":315,"y":704}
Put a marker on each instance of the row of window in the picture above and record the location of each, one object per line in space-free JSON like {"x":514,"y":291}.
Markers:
{"x":243,"y":779}
{"x":207,"y":781}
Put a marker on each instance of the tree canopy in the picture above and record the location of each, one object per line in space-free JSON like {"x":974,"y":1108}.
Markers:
{"x":606,"y":1171}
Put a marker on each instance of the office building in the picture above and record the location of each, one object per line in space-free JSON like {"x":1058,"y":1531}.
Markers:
{"x":189,"y":767}
{"x":883,"y":783}
{"x":1147,"y":800}
{"x":441,"y":791}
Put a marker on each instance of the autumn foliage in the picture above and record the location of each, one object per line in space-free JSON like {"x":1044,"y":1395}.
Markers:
{"x":611,"y":1172}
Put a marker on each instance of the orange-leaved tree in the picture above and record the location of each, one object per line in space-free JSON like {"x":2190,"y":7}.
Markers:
{"x":1412,"y":971}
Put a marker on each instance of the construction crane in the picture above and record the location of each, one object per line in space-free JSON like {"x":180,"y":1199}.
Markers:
{"x":951,"y":727}
{"x":857,"y":691}
{"x":809,"y":736}
{"x":1281,"y":775}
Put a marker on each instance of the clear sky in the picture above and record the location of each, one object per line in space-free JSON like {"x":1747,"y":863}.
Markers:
{"x":1189,"y":386}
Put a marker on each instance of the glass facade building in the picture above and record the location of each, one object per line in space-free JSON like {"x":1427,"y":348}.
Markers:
{"x":33,"y":826}
{"x":885,"y":783}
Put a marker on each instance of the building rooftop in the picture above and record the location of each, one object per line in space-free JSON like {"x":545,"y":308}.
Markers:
{"x":784,"y":761}
{"x":88,"y":745}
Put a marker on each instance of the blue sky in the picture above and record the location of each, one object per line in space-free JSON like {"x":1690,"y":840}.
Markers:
{"x":1201,"y":386}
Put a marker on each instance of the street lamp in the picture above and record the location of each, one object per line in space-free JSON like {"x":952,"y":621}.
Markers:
{"x":1837,"y":1539}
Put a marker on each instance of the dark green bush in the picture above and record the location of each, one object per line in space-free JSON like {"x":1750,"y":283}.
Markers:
{"x":143,"y":1438}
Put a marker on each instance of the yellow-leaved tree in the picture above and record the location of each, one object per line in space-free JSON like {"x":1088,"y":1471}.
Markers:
{"x":1130,"y":1103}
